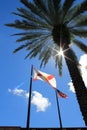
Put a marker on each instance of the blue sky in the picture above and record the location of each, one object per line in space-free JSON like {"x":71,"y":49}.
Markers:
{"x":14,"y":83}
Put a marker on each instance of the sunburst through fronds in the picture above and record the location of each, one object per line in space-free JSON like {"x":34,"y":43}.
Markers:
{"x":49,"y":22}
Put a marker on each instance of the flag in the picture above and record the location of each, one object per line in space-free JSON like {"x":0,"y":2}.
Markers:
{"x":50,"y":79}
{"x":61,"y":94}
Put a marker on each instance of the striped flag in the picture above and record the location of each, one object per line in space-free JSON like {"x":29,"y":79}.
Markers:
{"x":50,"y":79}
{"x":61,"y":94}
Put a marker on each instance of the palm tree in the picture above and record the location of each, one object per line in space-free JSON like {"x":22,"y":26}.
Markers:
{"x":50,"y":26}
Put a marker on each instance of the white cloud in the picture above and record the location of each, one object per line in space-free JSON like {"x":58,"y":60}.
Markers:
{"x":21,"y":84}
{"x":27,"y":95}
{"x":38,"y":100}
{"x":83,"y":62}
{"x":18,"y":92}
{"x":83,"y":68}
{"x":71,"y":87}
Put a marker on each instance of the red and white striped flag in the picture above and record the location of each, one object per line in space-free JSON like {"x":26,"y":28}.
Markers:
{"x":50,"y":79}
{"x":61,"y":94}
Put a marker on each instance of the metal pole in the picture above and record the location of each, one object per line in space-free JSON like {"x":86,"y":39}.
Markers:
{"x":60,"y":121}
{"x":29,"y":100}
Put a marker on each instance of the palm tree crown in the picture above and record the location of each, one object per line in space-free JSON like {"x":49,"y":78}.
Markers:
{"x":43,"y":21}
{"x":48,"y":26}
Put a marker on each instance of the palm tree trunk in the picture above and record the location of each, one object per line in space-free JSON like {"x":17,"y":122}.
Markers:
{"x":80,"y":89}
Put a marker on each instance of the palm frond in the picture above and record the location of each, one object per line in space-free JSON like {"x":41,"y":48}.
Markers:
{"x":42,"y":5}
{"x":79,"y":32}
{"x":35,"y":42}
{"x":36,"y":46}
{"x":46,"y":54}
{"x":25,"y":25}
{"x":66,"y":6}
{"x":31,"y":18}
{"x":57,"y":11}
{"x":51,"y":11}
{"x":57,"y":5}
{"x":27,"y":37}
{"x":31,"y":6}
{"x":47,"y":57}
{"x":58,"y":63}
{"x":21,"y":47}
{"x":33,"y":36}
{"x":81,"y":45}
{"x":79,"y":21}
{"x":77,"y":10}
{"x":70,"y":14}
{"x":57,"y":58}
{"x":19,"y":34}
{"x":19,"y":14}
{"x":47,"y":8}
{"x":34,"y":32}
{"x":35,"y":51}
{"x":36,"y":11}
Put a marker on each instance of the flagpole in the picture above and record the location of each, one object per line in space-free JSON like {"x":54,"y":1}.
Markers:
{"x":60,"y":121}
{"x":29,"y":100}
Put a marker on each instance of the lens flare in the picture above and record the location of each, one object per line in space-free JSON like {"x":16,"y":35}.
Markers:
{"x":61,"y":52}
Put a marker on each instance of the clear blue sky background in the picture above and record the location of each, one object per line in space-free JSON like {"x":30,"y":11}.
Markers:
{"x":15,"y":73}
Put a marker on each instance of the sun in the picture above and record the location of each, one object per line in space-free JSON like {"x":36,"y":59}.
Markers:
{"x":61,"y":52}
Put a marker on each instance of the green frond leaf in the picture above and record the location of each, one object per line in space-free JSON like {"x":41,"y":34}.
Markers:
{"x":41,"y":4}
{"x":20,"y":25}
{"x":36,"y":47}
{"x":37,"y":11}
{"x":19,"y":34}
{"x":56,"y":11}
{"x":21,"y":15}
{"x":66,"y":6}
{"x":57,"y":5}
{"x":81,"y":45}
{"x":30,"y":37}
{"x":46,"y":56}
{"x":58,"y":61}
{"x":77,"y":10}
{"x":35,"y":51}
{"x":80,"y":21}
{"x":32,"y":53}
{"x":24,"y":25}
{"x":37,"y":41}
{"x":79,"y":32}
{"x":24,"y":13}
{"x":51,"y":11}
{"x":20,"y":48}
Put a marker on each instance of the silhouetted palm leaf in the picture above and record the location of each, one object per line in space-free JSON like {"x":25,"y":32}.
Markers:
{"x":66,"y":6}
{"x":77,"y":10}
{"x":81,"y":45}
{"x":80,"y":32}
